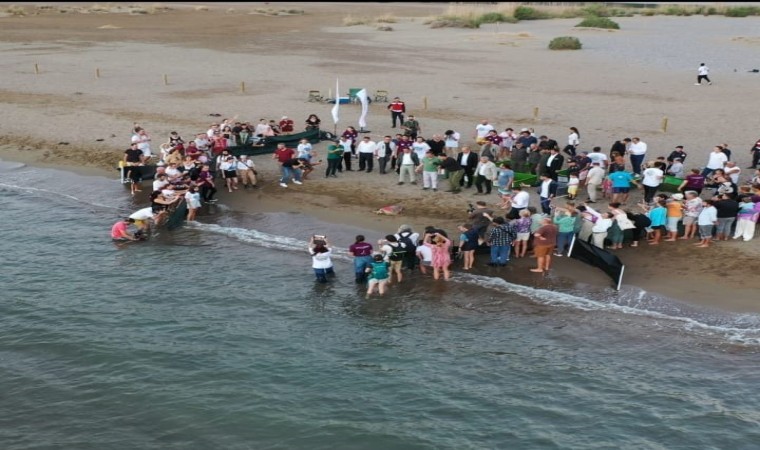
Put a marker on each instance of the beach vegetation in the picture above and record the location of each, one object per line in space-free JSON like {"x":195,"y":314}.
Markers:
{"x":599,"y":22}
{"x":351,"y":21}
{"x":742,"y":11}
{"x":201,"y":8}
{"x":15,"y":10}
{"x":384,"y":28}
{"x":454,"y":22}
{"x":386,"y":18}
{"x":138,"y":11}
{"x":565,"y":43}
{"x":529,"y":13}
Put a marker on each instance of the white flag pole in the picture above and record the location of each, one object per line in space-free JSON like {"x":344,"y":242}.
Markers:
{"x":336,"y":107}
{"x":362,"y":96}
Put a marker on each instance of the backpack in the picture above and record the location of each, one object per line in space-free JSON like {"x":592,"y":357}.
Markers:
{"x":398,"y":252}
{"x":406,"y":240}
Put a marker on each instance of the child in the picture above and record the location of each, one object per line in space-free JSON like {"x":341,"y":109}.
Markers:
{"x":572,"y":186}
{"x":425,"y":255}
{"x":379,"y":275}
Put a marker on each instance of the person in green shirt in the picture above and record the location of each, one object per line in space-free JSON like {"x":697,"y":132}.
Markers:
{"x":429,"y":169}
{"x":379,"y":276}
{"x":566,"y":225}
{"x":334,"y":157}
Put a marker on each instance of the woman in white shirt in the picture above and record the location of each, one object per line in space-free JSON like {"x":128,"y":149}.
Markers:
{"x":652,"y":180}
{"x":573,"y":141}
{"x":321,"y":261}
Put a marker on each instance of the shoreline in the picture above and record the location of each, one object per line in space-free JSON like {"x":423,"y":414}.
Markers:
{"x":567,"y":272}
{"x":606,"y":98}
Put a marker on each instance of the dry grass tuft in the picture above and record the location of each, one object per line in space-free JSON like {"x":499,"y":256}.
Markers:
{"x":384,"y":28}
{"x":201,"y":8}
{"x":351,"y":21}
{"x":16,"y":11}
{"x":386,"y":18}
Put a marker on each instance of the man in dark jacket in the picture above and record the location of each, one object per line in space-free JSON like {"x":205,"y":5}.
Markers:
{"x":469,"y":161}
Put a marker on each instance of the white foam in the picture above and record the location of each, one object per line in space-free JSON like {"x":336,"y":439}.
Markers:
{"x":749,"y":335}
{"x":47,"y":192}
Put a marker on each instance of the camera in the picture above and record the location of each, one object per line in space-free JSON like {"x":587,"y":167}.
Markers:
{"x":319,"y":237}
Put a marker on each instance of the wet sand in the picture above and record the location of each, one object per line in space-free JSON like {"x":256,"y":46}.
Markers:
{"x":497,"y":72}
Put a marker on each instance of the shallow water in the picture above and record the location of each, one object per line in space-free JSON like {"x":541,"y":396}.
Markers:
{"x":216,"y":336}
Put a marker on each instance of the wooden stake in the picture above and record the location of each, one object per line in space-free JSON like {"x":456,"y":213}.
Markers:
{"x":664,"y":125}
{"x":166,"y":80}
{"x":242,"y":87}
{"x":535,"y":113}
{"x":36,"y":69}
{"x":424,"y":103}
{"x":97,"y":72}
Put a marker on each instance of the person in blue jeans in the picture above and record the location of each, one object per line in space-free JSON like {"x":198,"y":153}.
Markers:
{"x":362,"y":253}
{"x":500,"y":239}
{"x":291,"y":169}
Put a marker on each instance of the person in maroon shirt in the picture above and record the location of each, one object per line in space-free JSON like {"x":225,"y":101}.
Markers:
{"x":362,"y":253}
{"x":402,"y":143}
{"x":282,"y":155}
{"x":491,"y":147}
{"x":545,"y":239}
{"x":397,"y":109}
{"x":286,"y":125}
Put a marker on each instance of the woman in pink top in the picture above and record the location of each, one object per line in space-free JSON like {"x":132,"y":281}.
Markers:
{"x":441,"y":254}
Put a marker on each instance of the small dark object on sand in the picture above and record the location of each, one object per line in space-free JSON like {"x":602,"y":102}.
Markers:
{"x":63,"y":143}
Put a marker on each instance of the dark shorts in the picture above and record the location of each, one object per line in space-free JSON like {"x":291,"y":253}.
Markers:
{"x":468,"y":246}
{"x":658,"y":227}
{"x":230,"y":174}
{"x":621,"y":190}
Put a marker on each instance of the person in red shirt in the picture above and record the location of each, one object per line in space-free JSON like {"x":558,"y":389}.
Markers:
{"x":286,"y":125}
{"x":283,"y":155}
{"x":397,"y":109}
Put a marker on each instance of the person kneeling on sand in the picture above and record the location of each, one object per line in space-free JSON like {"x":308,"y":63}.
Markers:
{"x":378,"y":275}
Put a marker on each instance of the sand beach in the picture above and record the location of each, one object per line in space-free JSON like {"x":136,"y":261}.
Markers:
{"x":75,"y":82}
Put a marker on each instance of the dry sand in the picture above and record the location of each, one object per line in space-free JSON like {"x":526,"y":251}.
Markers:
{"x":499,"y":72}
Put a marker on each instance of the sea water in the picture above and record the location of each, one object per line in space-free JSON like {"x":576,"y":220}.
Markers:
{"x":215,"y":336}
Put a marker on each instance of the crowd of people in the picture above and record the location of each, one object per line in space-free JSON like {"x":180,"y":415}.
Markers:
{"x":712,"y":202}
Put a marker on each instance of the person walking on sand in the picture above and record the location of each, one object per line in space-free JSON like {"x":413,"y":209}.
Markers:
{"x":702,"y":74}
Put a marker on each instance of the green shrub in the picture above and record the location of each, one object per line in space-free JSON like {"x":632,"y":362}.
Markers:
{"x":528,"y":13}
{"x":565,"y":43}
{"x":599,"y":22}
{"x":597,"y":10}
{"x":493,"y":17}
{"x":454,"y":22}
{"x":742,"y":11}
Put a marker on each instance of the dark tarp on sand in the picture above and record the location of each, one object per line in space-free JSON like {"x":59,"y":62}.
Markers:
{"x":270,"y":143}
{"x":597,"y":257}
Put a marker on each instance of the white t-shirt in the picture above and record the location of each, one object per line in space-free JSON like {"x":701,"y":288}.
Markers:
{"x":304,"y":150}
{"x":142,"y":214}
{"x":573,"y":139}
{"x":366,"y":146}
{"x":521,"y":200}
{"x":637,"y":149}
{"x":321,"y":260}
{"x":483,"y":130}
{"x":453,"y":140}
{"x":420,"y":148}
{"x":703,"y":70}
{"x":652,"y":177}
{"x":599,"y":157}
{"x":425,"y":253}
{"x":143,"y":143}
{"x":716,"y":160}
{"x":406,"y":159}
{"x":733,"y":173}
{"x":159,"y":184}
